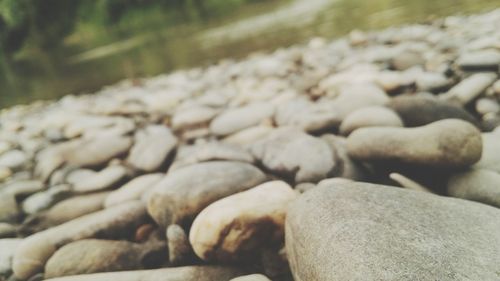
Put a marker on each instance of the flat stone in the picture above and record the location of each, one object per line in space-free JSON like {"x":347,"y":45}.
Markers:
{"x":188,"y":155}
{"x":237,"y":119}
{"x":44,"y":199}
{"x":296,"y":155}
{"x":185,"y":192}
{"x":179,"y":249}
{"x":304,"y":114}
{"x":372,"y":116}
{"x":480,"y":60}
{"x":193,"y":117}
{"x":470,"y":88}
{"x":133,"y":190}
{"x":419,"y":110}
{"x":360,"y":231}
{"x":90,"y":181}
{"x":432,"y":82}
{"x":7,"y":230}
{"x":152,"y":147}
{"x":407,"y":59}
{"x":9,"y":210}
{"x":476,"y":185}
{"x":34,"y":251}
{"x":23,"y":187}
{"x":248,"y":136}
{"x":238,"y":226}
{"x":9,"y":247}
{"x":13,"y":159}
{"x":449,"y":143}
{"x":186,"y":273}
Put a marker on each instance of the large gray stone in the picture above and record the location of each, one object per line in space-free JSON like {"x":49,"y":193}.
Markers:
{"x":183,"y":193}
{"x":360,"y":231}
{"x":448,"y":143}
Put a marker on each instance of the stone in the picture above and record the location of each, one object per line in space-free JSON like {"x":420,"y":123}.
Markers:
{"x":179,"y":249}
{"x":238,"y":226}
{"x":9,"y":247}
{"x":373,"y":116}
{"x":9,"y":209}
{"x":476,"y":185}
{"x":5,"y":173}
{"x":295,"y":155}
{"x":109,"y":223}
{"x":188,"y":155}
{"x":7,"y":230}
{"x":252,"y":277}
{"x":93,"y":256}
{"x":90,"y":181}
{"x":237,"y":119}
{"x":361,"y":231}
{"x":449,"y":143}
{"x":13,"y":159}
{"x":418,"y":110}
{"x":480,"y":60}
{"x":248,"y":136}
{"x":408,"y":183}
{"x":133,"y":190}
{"x":44,"y":199}
{"x":487,"y":106}
{"x":470,"y":88}
{"x":66,"y":210}
{"x":304,"y":114}
{"x":348,"y":167}
{"x":432,"y":82}
{"x":23,"y":188}
{"x":192,"y":117}
{"x":407,"y":59}
{"x":490,"y":160}
{"x":186,"y":273}
{"x":183,"y":193}
{"x":152,"y":147}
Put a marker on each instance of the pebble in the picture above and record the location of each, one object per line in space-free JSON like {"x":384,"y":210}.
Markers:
{"x":235,"y":227}
{"x":295,"y":155}
{"x":7,"y":230}
{"x":185,"y":192}
{"x":253,"y":277}
{"x":399,"y":234}
{"x":450,"y":143}
{"x":476,"y":185}
{"x":132,"y":190}
{"x":44,"y":199}
{"x":151,"y":148}
{"x":9,"y":209}
{"x":372,"y":116}
{"x":13,"y":159}
{"x":480,"y":60}
{"x":9,"y":247}
{"x":84,"y":181}
{"x":470,"y":88}
{"x":179,"y":248}
{"x":235,"y":120}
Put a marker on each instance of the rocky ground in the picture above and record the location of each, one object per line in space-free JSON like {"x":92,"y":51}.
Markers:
{"x":381,"y":150}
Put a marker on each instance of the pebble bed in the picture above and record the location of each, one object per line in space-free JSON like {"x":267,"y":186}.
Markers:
{"x":375,"y":156}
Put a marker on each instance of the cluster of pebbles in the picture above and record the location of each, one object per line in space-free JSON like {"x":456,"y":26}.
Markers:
{"x":372,"y":157}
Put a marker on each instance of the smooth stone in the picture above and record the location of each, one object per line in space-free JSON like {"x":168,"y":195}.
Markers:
{"x":487,"y":106}
{"x":418,"y":110}
{"x":361,"y":231}
{"x":490,"y":160}
{"x":480,"y":60}
{"x":238,"y":226}
{"x":432,"y":82}
{"x":133,"y":190}
{"x":23,"y":188}
{"x":44,"y":199}
{"x":407,"y":59}
{"x":186,"y":273}
{"x":304,"y":186}
{"x":152,"y":147}
{"x":92,"y":256}
{"x":476,"y":185}
{"x":8,"y":248}
{"x":9,"y":209}
{"x":349,"y":168}
{"x":193,"y":117}
{"x":13,"y":159}
{"x":296,"y":155}
{"x":470,"y":88}
{"x":114,"y":222}
{"x":449,"y":143}
{"x":7,"y":230}
{"x":373,"y":116}
{"x":237,"y":119}
{"x":248,"y":136}
{"x":179,"y":249}
{"x":67,"y":210}
{"x":304,"y":114}
{"x":184,"y":192}
{"x":5,"y":173}
{"x":91,"y":181}
{"x":188,"y":155}
{"x":252,"y":277}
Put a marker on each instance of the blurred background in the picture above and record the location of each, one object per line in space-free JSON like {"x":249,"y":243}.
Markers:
{"x":49,"y":48}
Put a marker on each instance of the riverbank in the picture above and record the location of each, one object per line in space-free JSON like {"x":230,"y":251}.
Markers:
{"x":373,"y":156}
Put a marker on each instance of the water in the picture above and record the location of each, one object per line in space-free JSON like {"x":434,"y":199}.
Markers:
{"x":264,"y":25}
